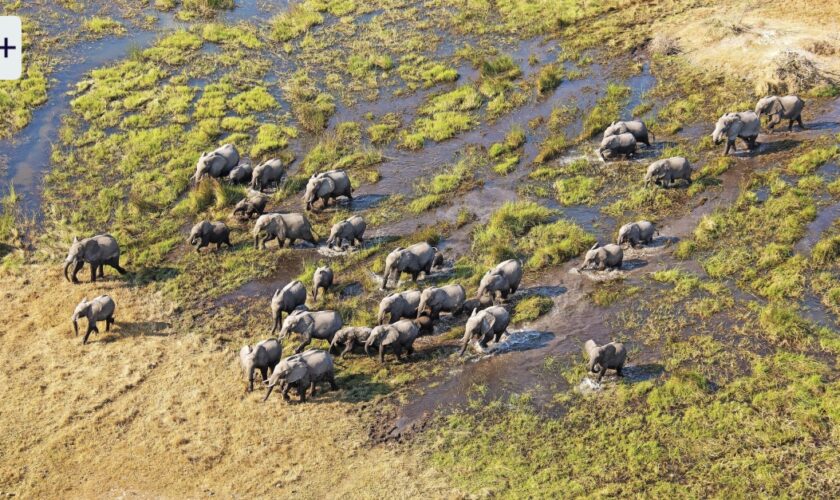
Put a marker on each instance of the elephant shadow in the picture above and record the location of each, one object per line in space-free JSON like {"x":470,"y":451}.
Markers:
{"x":769,"y":147}
{"x":365,"y":202}
{"x":154,"y":274}
{"x":352,"y":289}
{"x":631,"y":264}
{"x":356,"y":388}
{"x":543,"y":291}
{"x":639,"y":373}
{"x":138,"y":329}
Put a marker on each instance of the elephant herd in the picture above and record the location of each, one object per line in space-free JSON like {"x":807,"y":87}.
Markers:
{"x":622,"y":138}
{"x":402,"y":316}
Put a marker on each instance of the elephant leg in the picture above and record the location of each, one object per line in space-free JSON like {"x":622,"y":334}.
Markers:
{"x":398,"y":352}
{"x":312,"y":387}
{"x":790,"y":125}
{"x":774,"y":120}
{"x":90,"y":328}
{"x":497,"y":337}
{"x":331,"y":380}
{"x":218,"y":246}
{"x":348,"y":346}
{"x":285,"y":393}
{"x":381,"y":353}
{"x":108,"y":322}
{"x":618,"y":370}
{"x":799,"y":121}
{"x":302,"y":392}
{"x":102,"y":270}
{"x":115,"y":263}
{"x":306,"y":340}
{"x":76,"y":269}
{"x":264,"y":373}
{"x":414,"y":276}
{"x":602,"y":373}
{"x":93,"y":268}
{"x":727,"y":147}
{"x":276,"y":322}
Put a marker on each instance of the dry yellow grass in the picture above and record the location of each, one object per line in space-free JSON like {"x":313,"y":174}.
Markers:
{"x":154,"y":410}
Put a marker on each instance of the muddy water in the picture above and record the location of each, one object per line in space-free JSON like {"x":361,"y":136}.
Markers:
{"x":28,"y":153}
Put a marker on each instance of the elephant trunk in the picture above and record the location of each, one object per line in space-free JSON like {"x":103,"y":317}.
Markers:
{"x":480,"y":293}
{"x":368,"y":342}
{"x":256,"y":239}
{"x":66,"y":266}
{"x":380,"y":319}
{"x":601,"y":154}
{"x":385,"y":274}
{"x":421,"y":308}
{"x":268,"y":392}
{"x":464,"y":346}
{"x":75,"y":321}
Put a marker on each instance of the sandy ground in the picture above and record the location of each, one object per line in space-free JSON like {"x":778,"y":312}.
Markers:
{"x":153,"y":410}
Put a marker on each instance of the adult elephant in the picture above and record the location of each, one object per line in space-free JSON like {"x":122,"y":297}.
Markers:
{"x":788,"y":107}
{"x":416,"y":259}
{"x":734,"y":125}
{"x":397,"y":306}
{"x":267,"y":174}
{"x":636,"y":127}
{"x":291,"y":226}
{"x":217,"y":163}
{"x":96,"y":251}
{"x":449,"y":298}
{"x":327,"y":186}
{"x":502,"y":280}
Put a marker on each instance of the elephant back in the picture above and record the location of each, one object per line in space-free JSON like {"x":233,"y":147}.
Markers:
{"x":318,"y":361}
{"x":108,"y":246}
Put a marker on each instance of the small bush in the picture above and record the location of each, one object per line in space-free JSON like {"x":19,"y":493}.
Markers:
{"x":531,"y":308}
{"x":826,"y":251}
{"x":576,"y":190}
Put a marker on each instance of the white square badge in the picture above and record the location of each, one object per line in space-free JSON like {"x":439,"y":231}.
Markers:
{"x":11,"y":48}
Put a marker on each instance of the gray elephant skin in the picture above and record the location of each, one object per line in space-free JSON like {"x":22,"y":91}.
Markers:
{"x":241,"y":174}
{"x":602,"y":257}
{"x":397,"y":337}
{"x":350,"y":339}
{"x":263,"y":357}
{"x":788,"y":107}
{"x":490,"y":323}
{"x":416,"y":259}
{"x":348,"y":231}
{"x":97,"y":251}
{"x":636,"y":233}
{"x":302,"y":371}
{"x":311,"y":325}
{"x":282,"y":227}
{"x":206,"y":232}
{"x":327,"y":186}
{"x":434,"y":300}
{"x":217,"y":163}
{"x":253,"y":204}
{"x":286,"y":300}
{"x":396,"y":306}
{"x":611,"y":356}
{"x":734,"y":125}
{"x":636,"y":127}
{"x":667,"y":171}
{"x":321,"y":279}
{"x":616,"y":145}
{"x":502,"y":280}
{"x":99,"y":309}
{"x":266,"y":174}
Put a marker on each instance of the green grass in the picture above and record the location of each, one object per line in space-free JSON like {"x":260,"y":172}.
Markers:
{"x":101,"y":26}
{"x":549,"y":78}
{"x":507,"y":165}
{"x":531,"y":308}
{"x":606,"y":110}
{"x":299,"y":19}
{"x":576,"y":190}
{"x":813,"y":159}
{"x":19,"y":97}
{"x":514,"y":139}
{"x":419,"y":71}
{"x":826,"y":251}
{"x":551,"y":148}
{"x":555,"y":243}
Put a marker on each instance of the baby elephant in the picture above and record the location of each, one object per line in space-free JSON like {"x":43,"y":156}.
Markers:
{"x":611,"y":356}
{"x":636,"y":232}
{"x":731,"y":126}
{"x":397,"y":306}
{"x":502,"y":280}
{"x":323,"y":278}
{"x":253,"y":204}
{"x":635,"y":127}
{"x":262,"y":357}
{"x":241,"y":174}
{"x":484,"y":325}
{"x":349,"y":231}
{"x":352,"y":338}
{"x":778,"y":108}
{"x":99,"y":309}
{"x":600,"y":258}
{"x":398,"y":336}
{"x":302,"y":371}
{"x":667,"y":171}
{"x":206,"y":232}
{"x":621,"y":144}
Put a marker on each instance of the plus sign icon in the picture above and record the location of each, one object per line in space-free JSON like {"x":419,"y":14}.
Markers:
{"x":11,"y":48}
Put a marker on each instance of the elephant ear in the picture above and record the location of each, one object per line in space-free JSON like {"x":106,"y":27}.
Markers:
{"x":487,"y":323}
{"x":326,"y":186}
{"x":594,"y":246}
{"x":776,"y":106}
{"x":93,"y":251}
{"x":391,"y":335}
{"x":297,"y":371}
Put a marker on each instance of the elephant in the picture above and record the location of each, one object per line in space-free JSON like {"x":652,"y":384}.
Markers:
{"x":217,"y":163}
{"x":267,"y":174}
{"x":350,"y":230}
{"x":666,"y":171}
{"x":205,"y":232}
{"x":351,"y":338}
{"x":253,"y":204}
{"x":241,"y":173}
{"x":504,"y":279}
{"x":609,"y":356}
{"x":311,"y":324}
{"x":97,"y":251}
{"x":449,"y":298}
{"x":636,"y":232}
{"x":778,"y":108}
{"x":99,"y":309}
{"x":603,"y":257}
{"x":286,"y":300}
{"x":730,"y":126}
{"x":425,"y":324}
{"x":397,"y":306}
{"x":398,"y":336}
{"x":326,"y":186}
{"x":302,"y":371}
{"x":262,"y":357}
{"x":636,"y":127}
{"x":484,"y":325}
{"x":323,"y":278}
{"x":621,"y":144}
{"x":291,"y":226}
{"x":415,"y":259}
